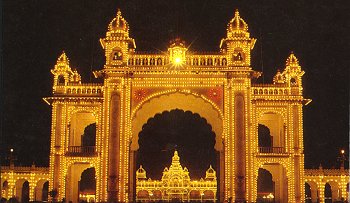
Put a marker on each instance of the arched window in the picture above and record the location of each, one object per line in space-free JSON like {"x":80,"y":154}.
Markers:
{"x":89,"y":136}
{"x":60,"y":80}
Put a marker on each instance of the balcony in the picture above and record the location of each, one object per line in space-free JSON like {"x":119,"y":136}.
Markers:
{"x":272,"y":150}
{"x":82,"y":151}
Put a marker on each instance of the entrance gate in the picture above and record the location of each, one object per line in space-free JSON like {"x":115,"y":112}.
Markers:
{"x":218,"y":86}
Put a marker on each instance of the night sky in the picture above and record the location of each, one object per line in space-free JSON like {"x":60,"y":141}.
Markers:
{"x":34,"y":34}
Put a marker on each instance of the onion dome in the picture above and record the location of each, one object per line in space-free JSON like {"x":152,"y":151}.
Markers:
{"x":237,"y":27}
{"x":141,"y":173}
{"x":118,"y":24}
{"x":210,"y":173}
{"x":118,"y":30}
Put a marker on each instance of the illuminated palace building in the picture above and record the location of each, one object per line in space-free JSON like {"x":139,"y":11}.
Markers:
{"x":95,"y":127}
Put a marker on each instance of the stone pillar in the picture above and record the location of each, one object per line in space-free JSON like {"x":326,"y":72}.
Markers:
{"x":313,"y":194}
{"x":239,"y":147}
{"x":31,"y":191}
{"x":335,"y":194}
{"x":132,"y":176}
{"x":222,"y":175}
{"x":320,"y":189}
{"x":114,"y":129}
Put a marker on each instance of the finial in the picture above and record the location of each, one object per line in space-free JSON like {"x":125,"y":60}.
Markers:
{"x":236,"y":12}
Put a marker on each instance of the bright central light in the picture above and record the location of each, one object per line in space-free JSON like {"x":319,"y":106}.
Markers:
{"x":178,"y":60}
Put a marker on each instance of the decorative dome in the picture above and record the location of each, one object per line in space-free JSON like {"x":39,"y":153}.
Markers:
{"x":62,"y":60}
{"x":279,"y":78}
{"x":141,"y":173}
{"x":237,"y":27}
{"x":292,"y":60}
{"x":75,"y":77}
{"x":210,"y":173}
{"x":118,"y":24}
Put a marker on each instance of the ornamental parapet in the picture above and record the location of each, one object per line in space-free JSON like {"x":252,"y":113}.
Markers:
{"x":90,"y":89}
{"x":28,"y":169}
{"x":326,"y":172}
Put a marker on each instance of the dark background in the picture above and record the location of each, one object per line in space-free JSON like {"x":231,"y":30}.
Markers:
{"x":34,"y":34}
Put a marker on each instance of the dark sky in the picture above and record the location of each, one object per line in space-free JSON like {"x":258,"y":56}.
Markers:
{"x":35,"y":32}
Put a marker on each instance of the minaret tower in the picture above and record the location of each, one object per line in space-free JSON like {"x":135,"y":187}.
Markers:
{"x":117,"y":43}
{"x":237,"y":44}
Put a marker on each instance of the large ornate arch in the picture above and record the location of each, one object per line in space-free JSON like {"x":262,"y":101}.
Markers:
{"x":184,"y":100}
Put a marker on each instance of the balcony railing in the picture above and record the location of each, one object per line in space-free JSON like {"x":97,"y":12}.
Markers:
{"x":272,"y":150}
{"x":81,"y":151}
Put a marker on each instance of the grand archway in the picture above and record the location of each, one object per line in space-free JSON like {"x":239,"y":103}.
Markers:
{"x":178,"y":110}
{"x":185,"y":132}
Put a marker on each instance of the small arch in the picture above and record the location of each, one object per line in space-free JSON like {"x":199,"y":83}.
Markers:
{"x":25,"y":192}
{"x":145,"y":62}
{"x":224,"y":62}
{"x":143,"y":194}
{"x":195,"y":61}
{"x":60,"y":80}
{"x":202,"y":62}
{"x":327,"y":193}
{"x":195,"y":195}
{"x":87,"y":185}
{"x":255,"y":91}
{"x":187,"y":102}
{"x":89,"y":136}
{"x":210,"y":62}
{"x":276,"y":125}
{"x":159,"y":61}
{"x":280,"y":92}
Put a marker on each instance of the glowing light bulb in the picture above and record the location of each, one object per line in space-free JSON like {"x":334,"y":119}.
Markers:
{"x":342,"y":151}
{"x":178,"y":60}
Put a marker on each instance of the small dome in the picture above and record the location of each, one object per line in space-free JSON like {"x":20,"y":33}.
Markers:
{"x":292,"y":60}
{"x":118,"y":23}
{"x":141,"y":173}
{"x":237,"y":23}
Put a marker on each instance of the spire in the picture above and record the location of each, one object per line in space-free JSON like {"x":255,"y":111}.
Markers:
{"x":292,"y":60}
{"x":62,"y":60}
{"x":175,"y":164}
{"x":237,"y":26}
{"x":119,"y":24}
{"x":62,"y":64}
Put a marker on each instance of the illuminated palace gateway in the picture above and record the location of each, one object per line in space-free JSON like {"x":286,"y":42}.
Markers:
{"x":176,"y":185}
{"x":218,"y":86}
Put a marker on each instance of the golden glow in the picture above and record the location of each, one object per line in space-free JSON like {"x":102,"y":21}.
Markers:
{"x":178,"y":60}
{"x":209,"y":81}
{"x":176,"y":184}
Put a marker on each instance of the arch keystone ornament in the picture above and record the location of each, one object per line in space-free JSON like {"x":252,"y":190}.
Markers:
{"x":217,"y":86}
